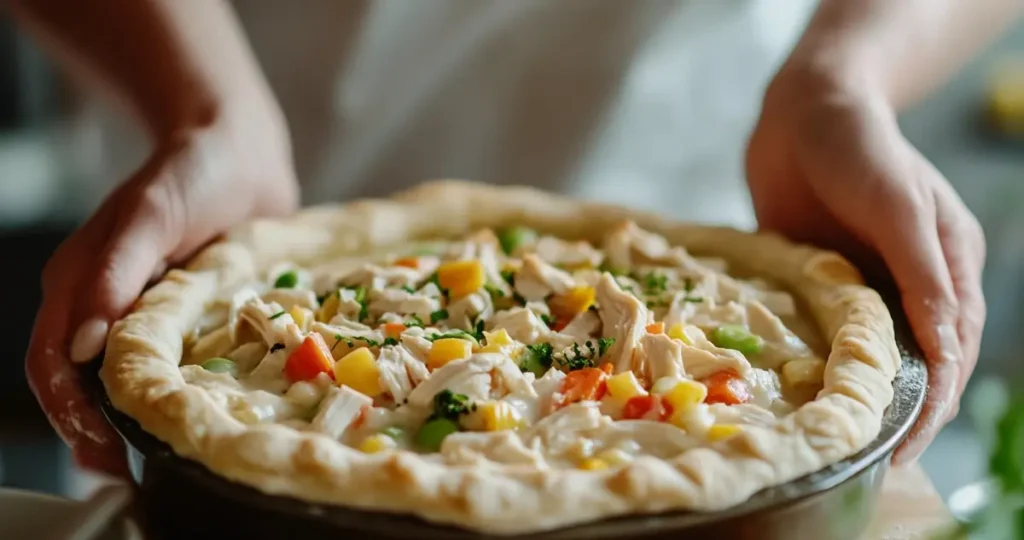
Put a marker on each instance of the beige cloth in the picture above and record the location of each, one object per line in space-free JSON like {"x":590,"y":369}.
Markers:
{"x":642,"y":102}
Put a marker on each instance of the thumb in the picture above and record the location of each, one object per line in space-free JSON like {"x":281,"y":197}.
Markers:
{"x":149,"y":226}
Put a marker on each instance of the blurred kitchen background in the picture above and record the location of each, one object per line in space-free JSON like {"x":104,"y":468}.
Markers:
{"x":48,"y":184}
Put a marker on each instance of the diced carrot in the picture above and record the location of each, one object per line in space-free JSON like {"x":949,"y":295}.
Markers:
{"x":608,"y":368}
{"x":310,"y":359}
{"x":362,"y":416}
{"x":394,"y":330}
{"x":560,"y":324}
{"x":728,"y":387}
{"x":649,"y":407}
{"x":587,"y":384}
{"x":656,"y":328}
{"x":408,"y":262}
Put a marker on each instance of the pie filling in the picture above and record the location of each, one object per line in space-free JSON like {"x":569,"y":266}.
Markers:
{"x":513,"y":346}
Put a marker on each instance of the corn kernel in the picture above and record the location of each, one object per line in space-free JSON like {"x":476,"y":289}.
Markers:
{"x":461,"y":278}
{"x":593,"y":464}
{"x":573,"y":302}
{"x":614,"y":456}
{"x":377,"y":443}
{"x":625,"y":385}
{"x":329,"y":308}
{"x":676,"y":332}
{"x":720,"y":432}
{"x":686,"y":394}
{"x":448,"y":349}
{"x":358,"y":370}
{"x":301,"y":316}
{"x":499,"y":337}
{"x":499,"y":416}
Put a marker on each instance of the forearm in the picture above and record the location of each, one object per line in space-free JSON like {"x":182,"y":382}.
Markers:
{"x":177,"y":63}
{"x":905,"y":48}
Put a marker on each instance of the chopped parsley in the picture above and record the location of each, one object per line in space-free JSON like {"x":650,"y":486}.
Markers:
{"x":364,"y":305}
{"x":351,"y":342}
{"x":478,"y":330}
{"x":457,"y":334}
{"x":494,"y":291}
{"x":548,"y":319}
{"x":509,"y":276}
{"x":323,"y":297}
{"x":390,"y":341}
{"x":276,"y":347}
{"x":657,"y":303}
{"x":693,"y":299}
{"x":278,"y":314}
{"x":603,"y":344}
{"x":655,"y":282}
{"x":518,"y":298}
{"x":537,"y":359}
{"x":688,"y":284}
{"x":408,"y":289}
{"x":605,"y":267}
{"x":438,"y":316}
{"x":576,"y":357}
{"x":451,"y":406}
{"x":287,"y":280}
{"x":414,"y":321}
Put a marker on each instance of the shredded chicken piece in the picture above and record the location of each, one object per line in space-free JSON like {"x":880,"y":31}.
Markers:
{"x":393,"y":374}
{"x":416,"y":344}
{"x":216,"y":343}
{"x":465,"y":311}
{"x":521,"y":324}
{"x":536,"y":279}
{"x":469,"y":376}
{"x":624,"y":319}
{"x":247,"y":355}
{"x":583,"y":326}
{"x":764,"y":385}
{"x":270,"y":324}
{"x":402,"y":301}
{"x":513,"y":379}
{"x":339,"y":409}
{"x":289,"y":298}
{"x":347,"y":329}
{"x":375,"y":277}
{"x":703,"y":358}
{"x":241,"y":333}
{"x":568,"y":254}
{"x":659,"y":356}
{"x":660,"y":439}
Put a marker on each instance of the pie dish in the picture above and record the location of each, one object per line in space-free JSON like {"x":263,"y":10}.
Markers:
{"x":506,"y":360}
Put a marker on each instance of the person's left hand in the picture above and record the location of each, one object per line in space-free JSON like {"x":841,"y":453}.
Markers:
{"x":827,"y":165}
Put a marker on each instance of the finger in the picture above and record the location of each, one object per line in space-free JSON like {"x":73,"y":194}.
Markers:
{"x":963,"y":242}
{"x":148,"y":227}
{"x":51,"y":377}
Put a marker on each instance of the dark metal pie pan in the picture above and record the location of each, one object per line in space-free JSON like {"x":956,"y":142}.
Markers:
{"x":179,"y":498}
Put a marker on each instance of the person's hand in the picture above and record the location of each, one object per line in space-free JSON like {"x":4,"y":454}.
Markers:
{"x":827,"y":165}
{"x":195,"y":186}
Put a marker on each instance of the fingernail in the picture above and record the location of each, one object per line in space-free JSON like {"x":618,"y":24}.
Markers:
{"x":89,"y":340}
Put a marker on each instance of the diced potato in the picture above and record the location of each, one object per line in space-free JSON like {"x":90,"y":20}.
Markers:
{"x":461,"y":278}
{"x":805,"y":372}
{"x":302,"y":317}
{"x":499,"y":415}
{"x":568,"y":305}
{"x":676,"y":332}
{"x":358,"y":370}
{"x":499,"y":337}
{"x":686,"y":394}
{"x":625,"y":385}
{"x":720,"y":432}
{"x":377,"y":443}
{"x":448,"y":349}
{"x":593,"y":464}
{"x":329,"y":308}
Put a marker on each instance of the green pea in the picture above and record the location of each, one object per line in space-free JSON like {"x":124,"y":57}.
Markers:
{"x":731,"y":336}
{"x":432,"y":434}
{"x":394,"y":432}
{"x":513,"y":237}
{"x":287,"y":280}
{"x":533,"y":362}
{"x":220,"y":365}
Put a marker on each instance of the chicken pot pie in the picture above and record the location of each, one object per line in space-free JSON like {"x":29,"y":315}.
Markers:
{"x":506,"y":360}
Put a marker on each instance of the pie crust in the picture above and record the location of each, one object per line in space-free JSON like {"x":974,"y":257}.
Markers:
{"x":142,"y":377}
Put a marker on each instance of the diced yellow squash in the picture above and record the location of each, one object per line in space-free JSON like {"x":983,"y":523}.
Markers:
{"x":461,"y":278}
{"x":377,"y":443}
{"x":329,"y":308}
{"x":593,"y":464}
{"x":499,"y":415}
{"x":623,"y":386}
{"x":676,"y":332}
{"x":571,"y":303}
{"x":446,"y":350}
{"x":686,"y":394}
{"x":720,"y":432}
{"x":614,"y":456}
{"x":358,"y":370}
{"x":301,"y":316}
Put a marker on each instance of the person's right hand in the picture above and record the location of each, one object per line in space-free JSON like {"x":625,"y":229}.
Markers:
{"x":194,"y":187}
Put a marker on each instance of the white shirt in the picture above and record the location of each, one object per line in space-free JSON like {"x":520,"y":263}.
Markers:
{"x":646,"y":103}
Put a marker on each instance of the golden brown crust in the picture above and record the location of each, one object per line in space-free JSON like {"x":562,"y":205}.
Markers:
{"x":142,"y":378}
